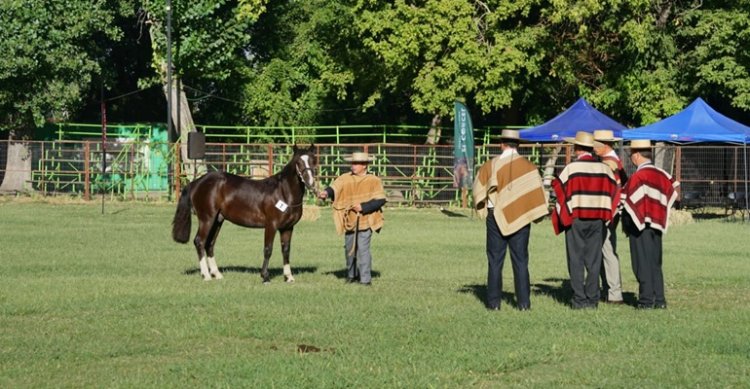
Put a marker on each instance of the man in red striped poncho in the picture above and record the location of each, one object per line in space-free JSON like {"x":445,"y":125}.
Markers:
{"x":587,"y":198}
{"x":647,"y":199}
{"x":508,"y":192}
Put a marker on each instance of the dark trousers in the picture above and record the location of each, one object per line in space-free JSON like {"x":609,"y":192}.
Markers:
{"x":646,"y":256}
{"x":583,"y":243}
{"x":497,"y":244}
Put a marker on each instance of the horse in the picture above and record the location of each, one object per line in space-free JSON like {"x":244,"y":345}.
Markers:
{"x":273,"y":203}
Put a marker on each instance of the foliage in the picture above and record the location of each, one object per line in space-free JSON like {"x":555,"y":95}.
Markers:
{"x":305,"y":57}
{"x":444,"y":50}
{"x":363,"y":61}
{"x":715,"y":39}
{"x":52,"y":52}
{"x":91,"y":299}
{"x":209,"y":40}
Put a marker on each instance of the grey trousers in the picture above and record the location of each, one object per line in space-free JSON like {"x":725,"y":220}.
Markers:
{"x":583,"y":243}
{"x":611,"y":279}
{"x":359,"y":263}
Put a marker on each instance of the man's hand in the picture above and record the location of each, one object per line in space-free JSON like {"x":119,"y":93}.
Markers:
{"x":357,"y":207}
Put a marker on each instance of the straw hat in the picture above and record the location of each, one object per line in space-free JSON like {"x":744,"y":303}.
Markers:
{"x":605,"y":136}
{"x":359,"y":156}
{"x":582,"y":138}
{"x":513,"y":135}
{"x":640,"y":144}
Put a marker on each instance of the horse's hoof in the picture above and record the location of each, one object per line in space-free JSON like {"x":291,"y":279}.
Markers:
{"x":206,"y":279}
{"x":218,"y":276}
{"x":290,"y":280}
{"x":266,"y":282}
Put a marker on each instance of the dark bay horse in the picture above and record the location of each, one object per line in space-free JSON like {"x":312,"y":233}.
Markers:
{"x":273,"y":203}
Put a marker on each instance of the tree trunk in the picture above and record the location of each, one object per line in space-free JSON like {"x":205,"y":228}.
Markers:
{"x":434,"y":134}
{"x":549,"y":166}
{"x":181,"y":115}
{"x":18,"y":164}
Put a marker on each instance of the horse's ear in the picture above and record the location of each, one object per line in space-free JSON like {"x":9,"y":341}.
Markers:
{"x":312,"y":147}
{"x":294,"y":148}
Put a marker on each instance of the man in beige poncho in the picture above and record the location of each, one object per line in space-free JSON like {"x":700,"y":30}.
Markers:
{"x":358,"y":199}
{"x":508,"y":192}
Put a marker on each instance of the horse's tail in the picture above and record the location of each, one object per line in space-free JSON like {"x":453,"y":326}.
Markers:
{"x":181,"y":221}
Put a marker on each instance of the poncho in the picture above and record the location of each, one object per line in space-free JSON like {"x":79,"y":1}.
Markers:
{"x":648,"y":197}
{"x":350,"y":190}
{"x":585,"y":189}
{"x":514,"y":187}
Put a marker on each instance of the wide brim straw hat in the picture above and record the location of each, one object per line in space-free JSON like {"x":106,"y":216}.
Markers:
{"x":605,"y":136}
{"x":513,"y":135}
{"x":640,"y":144}
{"x":582,"y":138}
{"x":359,"y":156}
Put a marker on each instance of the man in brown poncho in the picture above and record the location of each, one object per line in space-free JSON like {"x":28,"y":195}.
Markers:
{"x":358,"y":199}
{"x":508,"y":192}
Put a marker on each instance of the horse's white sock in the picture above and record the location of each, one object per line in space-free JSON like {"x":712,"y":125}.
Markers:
{"x":204,"y":269}
{"x":214,"y":269}
{"x":288,"y":273}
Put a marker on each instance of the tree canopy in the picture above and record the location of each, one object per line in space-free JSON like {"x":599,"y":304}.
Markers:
{"x":321,"y":62}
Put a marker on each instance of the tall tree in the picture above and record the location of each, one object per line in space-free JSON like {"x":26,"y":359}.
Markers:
{"x":209,"y":39}
{"x":50,"y":57}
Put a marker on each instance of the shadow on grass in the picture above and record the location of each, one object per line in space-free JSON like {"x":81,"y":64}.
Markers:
{"x":561,"y":294}
{"x":564,"y":293}
{"x":272,"y":271}
{"x":451,"y":214}
{"x":342,"y":273}
{"x":480,"y":292}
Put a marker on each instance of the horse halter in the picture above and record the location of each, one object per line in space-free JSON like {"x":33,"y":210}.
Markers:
{"x":301,"y":174}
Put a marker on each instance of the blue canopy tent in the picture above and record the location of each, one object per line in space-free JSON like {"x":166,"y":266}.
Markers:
{"x":698,"y":123}
{"x":581,"y":116}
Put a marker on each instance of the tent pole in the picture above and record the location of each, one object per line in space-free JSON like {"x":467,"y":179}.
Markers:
{"x":747,"y":198}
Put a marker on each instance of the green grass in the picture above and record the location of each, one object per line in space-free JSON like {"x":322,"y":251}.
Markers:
{"x":92,"y":300}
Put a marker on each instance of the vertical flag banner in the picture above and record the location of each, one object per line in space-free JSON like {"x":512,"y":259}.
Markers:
{"x":463,"y":147}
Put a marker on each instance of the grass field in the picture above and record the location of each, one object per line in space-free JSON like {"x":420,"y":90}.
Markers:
{"x":92,"y":300}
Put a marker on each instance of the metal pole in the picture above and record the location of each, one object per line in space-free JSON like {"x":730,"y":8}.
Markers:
{"x":104,"y":143}
{"x":169,"y":80}
{"x":169,"y":66}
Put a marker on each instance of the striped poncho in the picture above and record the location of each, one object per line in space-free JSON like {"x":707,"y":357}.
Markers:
{"x":350,"y":190}
{"x":513,"y":185}
{"x":648,"y":197}
{"x":585,"y":189}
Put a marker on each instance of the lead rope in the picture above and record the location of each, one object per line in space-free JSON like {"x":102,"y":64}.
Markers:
{"x":349,"y":226}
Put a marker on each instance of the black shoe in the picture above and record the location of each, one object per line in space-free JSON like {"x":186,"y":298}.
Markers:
{"x":524,"y":309}
{"x":365,"y":283}
{"x":645,"y":306}
{"x":660,"y":306}
{"x":493,"y":307}
{"x":351,"y":280}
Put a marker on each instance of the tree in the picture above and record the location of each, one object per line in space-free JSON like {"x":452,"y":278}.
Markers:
{"x":209,"y":38}
{"x":50,"y":57}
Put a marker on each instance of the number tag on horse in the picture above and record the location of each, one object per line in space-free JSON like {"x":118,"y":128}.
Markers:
{"x":281,"y":206}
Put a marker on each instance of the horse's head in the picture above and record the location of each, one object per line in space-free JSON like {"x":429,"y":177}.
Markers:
{"x":306,"y":164}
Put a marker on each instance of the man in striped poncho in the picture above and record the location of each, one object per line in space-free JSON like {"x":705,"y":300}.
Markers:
{"x":508,"y":192}
{"x":587,"y":198}
{"x":647,"y":199}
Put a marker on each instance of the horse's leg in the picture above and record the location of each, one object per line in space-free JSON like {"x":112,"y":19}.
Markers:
{"x":212,"y":235}
{"x":286,"y":245}
{"x":267,"y":250}
{"x":201,"y":238}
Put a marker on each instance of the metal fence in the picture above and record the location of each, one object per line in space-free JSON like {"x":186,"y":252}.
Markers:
{"x":413,"y":175}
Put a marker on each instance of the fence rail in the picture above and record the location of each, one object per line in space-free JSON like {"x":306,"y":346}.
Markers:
{"x":413,"y":175}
